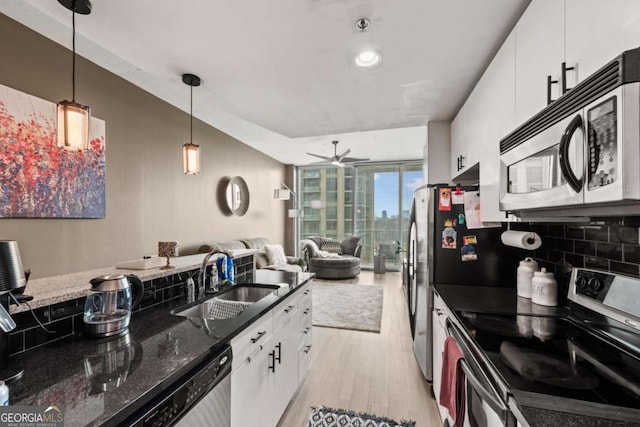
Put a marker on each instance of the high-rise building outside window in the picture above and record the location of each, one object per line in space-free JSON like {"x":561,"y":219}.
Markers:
{"x":369,"y":200}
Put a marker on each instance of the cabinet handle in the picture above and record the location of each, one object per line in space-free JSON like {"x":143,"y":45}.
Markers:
{"x":461,"y":162}
{"x":260,"y":335}
{"x":564,"y":77}
{"x":306,"y":311}
{"x":458,"y":164}
{"x":279,"y":347}
{"x":272,"y":367}
{"x":288,"y":309}
{"x":307,"y":349}
{"x":306,"y":330}
{"x":549,"y":83}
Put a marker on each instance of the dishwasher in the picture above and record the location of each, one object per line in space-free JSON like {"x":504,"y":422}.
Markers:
{"x":200,"y":398}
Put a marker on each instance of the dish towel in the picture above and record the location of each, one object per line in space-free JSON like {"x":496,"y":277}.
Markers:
{"x":452,"y":394}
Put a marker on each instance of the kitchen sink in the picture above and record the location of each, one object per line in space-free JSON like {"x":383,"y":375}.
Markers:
{"x":247,"y":293}
{"x":228,"y":303}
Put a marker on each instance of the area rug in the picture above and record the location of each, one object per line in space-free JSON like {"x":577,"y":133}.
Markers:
{"x":357,"y":307}
{"x":322,"y":416}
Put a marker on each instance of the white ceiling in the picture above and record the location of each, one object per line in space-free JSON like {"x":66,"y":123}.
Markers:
{"x":279,"y":76}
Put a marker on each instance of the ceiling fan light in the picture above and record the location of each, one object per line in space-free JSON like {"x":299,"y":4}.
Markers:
{"x":368,"y":58}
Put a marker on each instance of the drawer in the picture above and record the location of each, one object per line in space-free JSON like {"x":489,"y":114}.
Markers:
{"x":285,"y":311}
{"x":306,"y":296}
{"x":305,"y":355}
{"x":250,"y":339}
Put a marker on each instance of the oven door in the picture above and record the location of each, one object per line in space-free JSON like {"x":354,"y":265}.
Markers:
{"x":547,"y":170}
{"x":485,"y":407}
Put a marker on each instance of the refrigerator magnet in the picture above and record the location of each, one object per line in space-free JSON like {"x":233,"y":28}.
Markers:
{"x":468,"y":250}
{"x":445,"y":199}
{"x":457,"y":198}
{"x":461,"y":218}
{"x":449,"y":238}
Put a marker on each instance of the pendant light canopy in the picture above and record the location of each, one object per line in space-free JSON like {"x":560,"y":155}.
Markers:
{"x":73,"y":118}
{"x":191,"y":151}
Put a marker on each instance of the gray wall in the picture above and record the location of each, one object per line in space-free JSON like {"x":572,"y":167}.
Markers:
{"x":148,"y":197}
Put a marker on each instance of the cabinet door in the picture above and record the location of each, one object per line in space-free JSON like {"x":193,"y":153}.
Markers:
{"x":250,"y":390}
{"x":285,"y":376}
{"x":498,"y":84}
{"x":597,"y":31}
{"x":539,"y":53}
{"x":458,"y":144}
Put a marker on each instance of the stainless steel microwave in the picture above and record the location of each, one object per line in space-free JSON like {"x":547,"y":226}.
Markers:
{"x":581,"y":154}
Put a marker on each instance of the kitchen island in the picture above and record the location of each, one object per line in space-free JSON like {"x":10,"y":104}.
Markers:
{"x":106,"y":381}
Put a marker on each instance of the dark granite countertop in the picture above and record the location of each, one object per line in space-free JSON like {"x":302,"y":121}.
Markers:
{"x":491,"y":299}
{"x":158,"y":350}
{"x":536,"y":409}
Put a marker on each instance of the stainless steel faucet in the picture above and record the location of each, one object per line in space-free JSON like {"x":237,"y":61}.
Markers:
{"x":203,"y":275}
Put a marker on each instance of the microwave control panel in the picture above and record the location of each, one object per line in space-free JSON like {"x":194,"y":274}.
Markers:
{"x":602,"y":134}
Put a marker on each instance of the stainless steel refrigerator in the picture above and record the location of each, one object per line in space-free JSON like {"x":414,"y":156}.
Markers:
{"x":447,"y":252}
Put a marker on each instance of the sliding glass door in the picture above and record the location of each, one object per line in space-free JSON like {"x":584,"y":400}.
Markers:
{"x":384,"y":194}
{"x":372,"y":201}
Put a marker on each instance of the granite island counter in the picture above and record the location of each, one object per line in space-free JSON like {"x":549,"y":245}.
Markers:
{"x":159,"y":349}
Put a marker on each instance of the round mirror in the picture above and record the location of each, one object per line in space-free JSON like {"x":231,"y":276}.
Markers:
{"x":236,"y":196}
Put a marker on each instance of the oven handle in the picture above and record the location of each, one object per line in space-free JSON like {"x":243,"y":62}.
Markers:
{"x":486,"y":393}
{"x":565,"y":167}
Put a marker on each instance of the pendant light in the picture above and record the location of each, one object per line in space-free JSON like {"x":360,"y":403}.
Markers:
{"x":191,"y":151}
{"x":73,"y":118}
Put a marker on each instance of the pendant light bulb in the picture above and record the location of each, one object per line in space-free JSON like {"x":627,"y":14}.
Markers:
{"x":191,"y":151}
{"x":73,"y":118}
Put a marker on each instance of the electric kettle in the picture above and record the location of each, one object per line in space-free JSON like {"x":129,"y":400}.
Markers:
{"x":107,"y":311}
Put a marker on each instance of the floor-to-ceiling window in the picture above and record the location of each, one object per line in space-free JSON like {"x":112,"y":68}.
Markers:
{"x":372,"y":201}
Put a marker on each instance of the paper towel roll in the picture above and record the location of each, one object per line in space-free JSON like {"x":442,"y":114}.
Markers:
{"x":521,"y":239}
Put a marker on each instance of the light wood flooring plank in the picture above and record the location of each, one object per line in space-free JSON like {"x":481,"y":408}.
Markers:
{"x":365,"y":371}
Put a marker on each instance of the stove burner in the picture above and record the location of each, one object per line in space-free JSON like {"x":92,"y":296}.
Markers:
{"x":546,"y":368}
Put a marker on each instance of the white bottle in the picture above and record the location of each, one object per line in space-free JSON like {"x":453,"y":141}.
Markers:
{"x":4,"y":394}
{"x":525,"y":273}
{"x":191,"y":290}
{"x":544,"y":288}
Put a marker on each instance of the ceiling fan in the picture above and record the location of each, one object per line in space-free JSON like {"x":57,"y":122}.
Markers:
{"x":337,"y":159}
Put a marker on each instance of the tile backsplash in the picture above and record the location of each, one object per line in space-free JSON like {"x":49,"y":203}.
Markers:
{"x":65,"y":318}
{"x":611,"y":244}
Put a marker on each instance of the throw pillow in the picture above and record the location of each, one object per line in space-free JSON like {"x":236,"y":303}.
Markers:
{"x":311,"y":247}
{"x":275,"y":254}
{"x":349,"y":244}
{"x":331,"y":246}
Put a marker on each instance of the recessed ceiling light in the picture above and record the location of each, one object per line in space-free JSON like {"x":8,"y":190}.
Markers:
{"x":368,"y":58}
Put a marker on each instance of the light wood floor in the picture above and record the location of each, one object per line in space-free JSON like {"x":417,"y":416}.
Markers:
{"x":365,"y":371}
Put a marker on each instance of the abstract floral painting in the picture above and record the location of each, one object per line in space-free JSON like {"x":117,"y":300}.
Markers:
{"x":37,"y":178}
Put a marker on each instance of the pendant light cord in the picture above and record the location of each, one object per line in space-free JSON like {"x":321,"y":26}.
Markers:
{"x":73,"y":72}
{"x":191,"y":135}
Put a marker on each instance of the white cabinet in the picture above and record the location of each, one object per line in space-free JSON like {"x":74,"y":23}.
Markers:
{"x":498,"y":83}
{"x":458,"y":144}
{"x":267,"y":367}
{"x":597,"y":31}
{"x":250,"y":390}
{"x":305,"y":335}
{"x":583,"y":34}
{"x":539,"y":54}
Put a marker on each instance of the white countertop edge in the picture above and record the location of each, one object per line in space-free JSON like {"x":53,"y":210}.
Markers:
{"x":55,"y":289}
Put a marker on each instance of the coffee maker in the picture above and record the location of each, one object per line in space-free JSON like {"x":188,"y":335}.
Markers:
{"x":107,"y":311}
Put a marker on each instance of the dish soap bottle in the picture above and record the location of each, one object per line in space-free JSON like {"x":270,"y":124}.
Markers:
{"x":4,"y":394}
{"x":544,"y":288}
